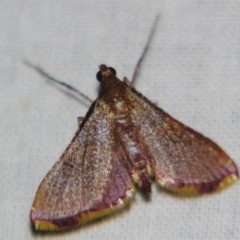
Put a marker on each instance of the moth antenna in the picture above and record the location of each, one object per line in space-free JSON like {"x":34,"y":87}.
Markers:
{"x":69,"y":87}
{"x":144,"y":53}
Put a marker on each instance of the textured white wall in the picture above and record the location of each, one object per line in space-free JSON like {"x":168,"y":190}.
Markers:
{"x":192,"y":71}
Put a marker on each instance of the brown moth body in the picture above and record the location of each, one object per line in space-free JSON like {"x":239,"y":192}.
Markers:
{"x":123,"y":141}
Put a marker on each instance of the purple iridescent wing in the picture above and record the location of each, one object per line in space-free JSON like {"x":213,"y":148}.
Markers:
{"x":182,"y":160}
{"x":90,"y":180}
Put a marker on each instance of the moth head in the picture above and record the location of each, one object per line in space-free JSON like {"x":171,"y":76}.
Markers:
{"x":105,"y":72}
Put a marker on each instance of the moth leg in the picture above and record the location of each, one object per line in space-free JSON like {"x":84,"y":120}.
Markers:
{"x":80,"y":119}
{"x":127,"y":81}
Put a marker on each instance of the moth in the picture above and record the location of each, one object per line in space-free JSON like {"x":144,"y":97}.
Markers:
{"x":122,"y":143}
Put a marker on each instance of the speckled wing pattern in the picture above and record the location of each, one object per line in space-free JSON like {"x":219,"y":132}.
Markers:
{"x":123,"y":142}
{"x":182,"y":160}
{"x":91,"y":179}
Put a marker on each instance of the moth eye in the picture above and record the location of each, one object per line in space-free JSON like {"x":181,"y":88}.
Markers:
{"x":113,"y":71}
{"x":99,"y":76}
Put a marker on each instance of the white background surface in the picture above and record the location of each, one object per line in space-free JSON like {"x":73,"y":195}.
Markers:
{"x":192,"y":71}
